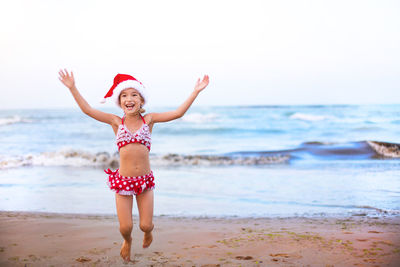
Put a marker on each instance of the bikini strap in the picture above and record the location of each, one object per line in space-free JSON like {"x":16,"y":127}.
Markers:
{"x":140,"y":116}
{"x":142,"y":119}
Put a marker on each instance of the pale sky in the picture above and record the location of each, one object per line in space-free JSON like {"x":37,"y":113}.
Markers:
{"x":255,"y":52}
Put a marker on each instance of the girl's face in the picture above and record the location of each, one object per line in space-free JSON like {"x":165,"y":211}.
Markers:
{"x":130,"y":101}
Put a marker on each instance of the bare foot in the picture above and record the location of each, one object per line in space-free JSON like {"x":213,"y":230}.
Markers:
{"x":126,"y":250}
{"x":147,"y":239}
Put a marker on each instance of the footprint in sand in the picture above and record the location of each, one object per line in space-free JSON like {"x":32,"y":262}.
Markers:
{"x":280,"y":255}
{"x":284,"y":255}
{"x":244,"y":257}
{"x":83,"y":259}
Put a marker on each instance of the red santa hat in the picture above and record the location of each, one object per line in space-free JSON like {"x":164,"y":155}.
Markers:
{"x":121,"y":82}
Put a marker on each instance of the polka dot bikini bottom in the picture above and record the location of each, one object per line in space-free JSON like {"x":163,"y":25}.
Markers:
{"x":125,"y":185}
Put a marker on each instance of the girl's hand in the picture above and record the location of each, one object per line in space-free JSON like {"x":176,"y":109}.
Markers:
{"x":200,"y":85}
{"x":67,"y":79}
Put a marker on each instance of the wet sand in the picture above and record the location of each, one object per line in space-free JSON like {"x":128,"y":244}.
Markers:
{"x":46,"y":239}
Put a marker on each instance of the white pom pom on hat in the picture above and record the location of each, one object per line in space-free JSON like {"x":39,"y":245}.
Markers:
{"x":121,"y":82}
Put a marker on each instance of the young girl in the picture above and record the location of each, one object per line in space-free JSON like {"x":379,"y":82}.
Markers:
{"x":133,"y":138}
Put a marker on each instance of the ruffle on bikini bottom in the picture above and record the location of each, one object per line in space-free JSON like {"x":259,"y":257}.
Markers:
{"x":124,"y":185}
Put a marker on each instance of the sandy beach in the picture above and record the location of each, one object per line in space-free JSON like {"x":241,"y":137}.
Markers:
{"x":51,"y":239}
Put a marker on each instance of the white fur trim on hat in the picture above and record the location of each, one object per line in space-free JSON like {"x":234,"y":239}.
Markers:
{"x":129,"y":84}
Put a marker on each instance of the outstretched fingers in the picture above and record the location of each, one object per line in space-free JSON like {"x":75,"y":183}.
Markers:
{"x":64,"y":73}
{"x":61,"y":75}
{"x":66,"y":78}
{"x":204,"y":82}
{"x":201,"y":84}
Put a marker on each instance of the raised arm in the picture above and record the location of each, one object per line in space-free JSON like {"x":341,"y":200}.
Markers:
{"x":69,"y":81}
{"x":181,"y":110}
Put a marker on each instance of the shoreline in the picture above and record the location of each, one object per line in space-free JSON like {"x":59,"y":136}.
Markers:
{"x":379,"y":215}
{"x":66,"y":239}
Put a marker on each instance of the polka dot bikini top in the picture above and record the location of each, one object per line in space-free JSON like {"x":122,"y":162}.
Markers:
{"x":142,"y":136}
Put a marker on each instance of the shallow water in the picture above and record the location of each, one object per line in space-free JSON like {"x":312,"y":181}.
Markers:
{"x":280,"y":190}
{"x":220,"y":161}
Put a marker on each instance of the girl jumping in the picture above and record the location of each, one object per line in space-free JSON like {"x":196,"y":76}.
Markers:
{"x":133,"y":137}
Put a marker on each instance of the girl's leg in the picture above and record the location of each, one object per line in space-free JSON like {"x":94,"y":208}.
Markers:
{"x":145,"y":203}
{"x":124,"y":211}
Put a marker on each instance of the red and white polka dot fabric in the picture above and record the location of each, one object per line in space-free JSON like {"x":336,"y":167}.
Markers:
{"x":141,"y":136}
{"x":125,"y":185}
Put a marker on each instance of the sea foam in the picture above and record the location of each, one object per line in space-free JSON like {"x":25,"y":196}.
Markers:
{"x":389,"y":150}
{"x":309,"y":117}
{"x":61,"y":158}
{"x":79,"y":158}
{"x":12,"y":120}
{"x":325,"y":150}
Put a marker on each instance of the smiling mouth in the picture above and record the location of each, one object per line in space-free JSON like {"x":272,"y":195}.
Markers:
{"x":130,"y":106}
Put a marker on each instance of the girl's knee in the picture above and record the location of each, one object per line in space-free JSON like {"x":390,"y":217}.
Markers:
{"x":125,"y":228}
{"x":146,"y":227}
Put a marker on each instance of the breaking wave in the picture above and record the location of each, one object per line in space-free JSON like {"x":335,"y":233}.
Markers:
{"x":330,"y":150}
{"x":321,"y":150}
{"x":106,"y":160}
{"x":62,"y":158}
{"x":211,"y":160}
{"x":308,"y":117}
{"x":12,"y":120}
{"x":389,"y":150}
{"x":351,"y":150}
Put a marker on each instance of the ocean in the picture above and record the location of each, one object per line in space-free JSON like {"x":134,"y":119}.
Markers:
{"x":245,"y":161}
